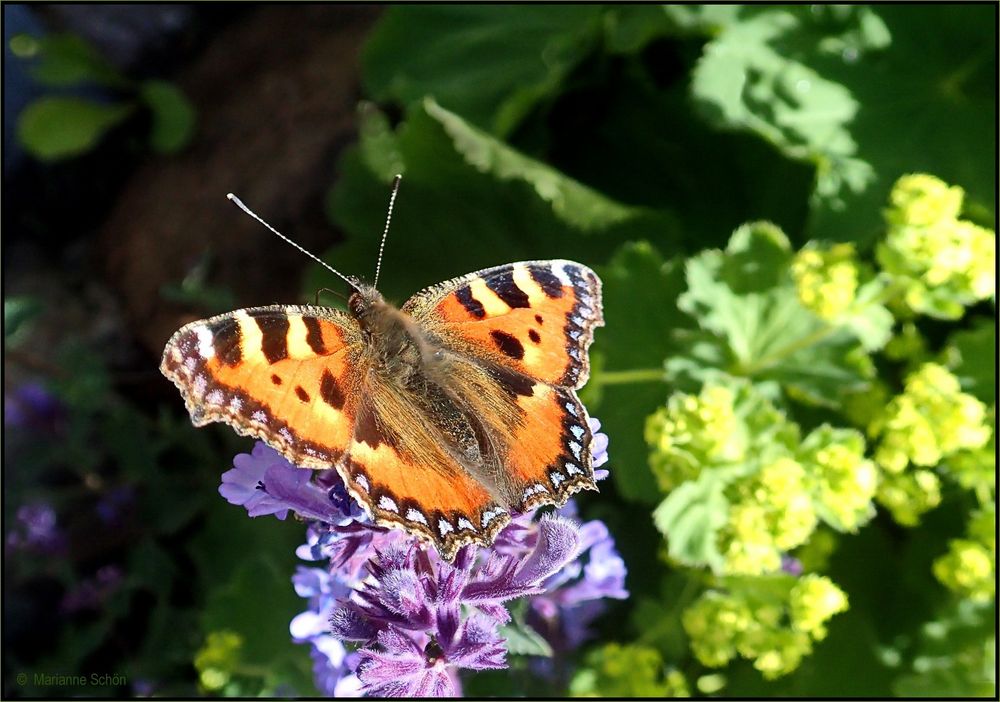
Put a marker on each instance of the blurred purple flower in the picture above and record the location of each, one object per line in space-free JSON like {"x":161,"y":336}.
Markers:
{"x":113,"y":503}
{"x":31,"y":406}
{"x":791,"y":565}
{"x":36,"y":528}
{"x":93,"y":592}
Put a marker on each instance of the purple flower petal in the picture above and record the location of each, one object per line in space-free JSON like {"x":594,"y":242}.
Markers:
{"x":558,"y":544}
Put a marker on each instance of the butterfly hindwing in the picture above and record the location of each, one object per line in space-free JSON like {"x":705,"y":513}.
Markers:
{"x":550,"y":456}
{"x":536,"y":317}
{"x":429,"y":495}
{"x":283,"y":374}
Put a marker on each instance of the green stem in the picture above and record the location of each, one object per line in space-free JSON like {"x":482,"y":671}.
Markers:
{"x":636,"y":375}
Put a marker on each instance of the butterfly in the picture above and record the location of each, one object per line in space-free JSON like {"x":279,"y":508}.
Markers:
{"x":443,"y":416}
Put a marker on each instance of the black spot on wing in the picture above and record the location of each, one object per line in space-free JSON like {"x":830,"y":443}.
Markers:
{"x":330,"y":390}
{"x":508,"y":344}
{"x":368,"y":431}
{"x":314,"y":335}
{"x":274,"y":332}
{"x":226,"y":341}
{"x":471,"y":304}
{"x":275,"y":379}
{"x":512,"y":381}
{"x":301,"y":393}
{"x":506,"y":289}
{"x":534,"y":336}
{"x":547,"y":280}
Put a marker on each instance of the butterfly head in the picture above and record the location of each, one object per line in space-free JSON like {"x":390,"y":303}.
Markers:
{"x":364,"y":303}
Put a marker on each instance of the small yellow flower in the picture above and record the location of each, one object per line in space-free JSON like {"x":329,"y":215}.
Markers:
{"x":922,"y":200}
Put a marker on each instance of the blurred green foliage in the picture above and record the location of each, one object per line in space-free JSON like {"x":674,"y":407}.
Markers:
{"x":62,"y":126}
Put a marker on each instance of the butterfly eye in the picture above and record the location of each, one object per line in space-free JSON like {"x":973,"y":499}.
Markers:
{"x":356,"y":304}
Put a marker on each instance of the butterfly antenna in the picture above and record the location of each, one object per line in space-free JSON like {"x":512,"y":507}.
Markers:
{"x":385,"y":232}
{"x":239,"y":203}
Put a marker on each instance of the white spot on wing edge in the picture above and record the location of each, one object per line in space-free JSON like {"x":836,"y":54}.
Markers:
{"x":557,"y":478}
{"x":215,"y":397}
{"x":490,"y":515}
{"x":465,"y":525}
{"x":444,"y":527}
{"x":572,"y":469}
{"x":577,"y":431}
{"x":362,"y":482}
{"x":387,"y":503}
{"x":575,"y":448}
{"x":415,"y":515}
{"x":206,"y":349}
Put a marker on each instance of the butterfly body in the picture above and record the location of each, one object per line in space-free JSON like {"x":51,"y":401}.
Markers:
{"x":442,"y":416}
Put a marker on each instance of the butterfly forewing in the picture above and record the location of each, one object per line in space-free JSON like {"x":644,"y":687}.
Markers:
{"x":283,"y":374}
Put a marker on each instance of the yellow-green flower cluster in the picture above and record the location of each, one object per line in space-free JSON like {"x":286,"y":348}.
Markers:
{"x":909,"y":495}
{"x":774,"y":632}
{"x":627,"y":671}
{"x":691,"y":432}
{"x":930,"y":421}
{"x":940,"y":263}
{"x":826,"y":278}
{"x":969,"y":567}
{"x":777,"y":487}
{"x":772,"y":512}
{"x":813,"y":600}
{"x":976,"y":468}
{"x":843,"y":481}
{"x":218,"y":658}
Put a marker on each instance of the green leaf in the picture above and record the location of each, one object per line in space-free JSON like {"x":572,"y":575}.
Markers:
{"x":66,"y":59}
{"x":838,"y":86}
{"x":173,"y":115}
{"x":754,"y":326}
{"x":491,"y":64}
{"x":523,"y":640}
{"x":18,"y":312}
{"x":379,"y":145}
{"x":578,"y":205}
{"x":640,"y":308}
{"x":744,"y":82}
{"x":692,"y":516}
{"x":473,"y":217}
{"x":53,"y":128}
{"x":956,"y":655}
{"x":972,"y":354}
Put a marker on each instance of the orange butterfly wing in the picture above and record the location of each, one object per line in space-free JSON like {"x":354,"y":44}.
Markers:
{"x":289,"y":376}
{"x":533,"y":321}
{"x":283,"y":374}
{"x":436,"y":500}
